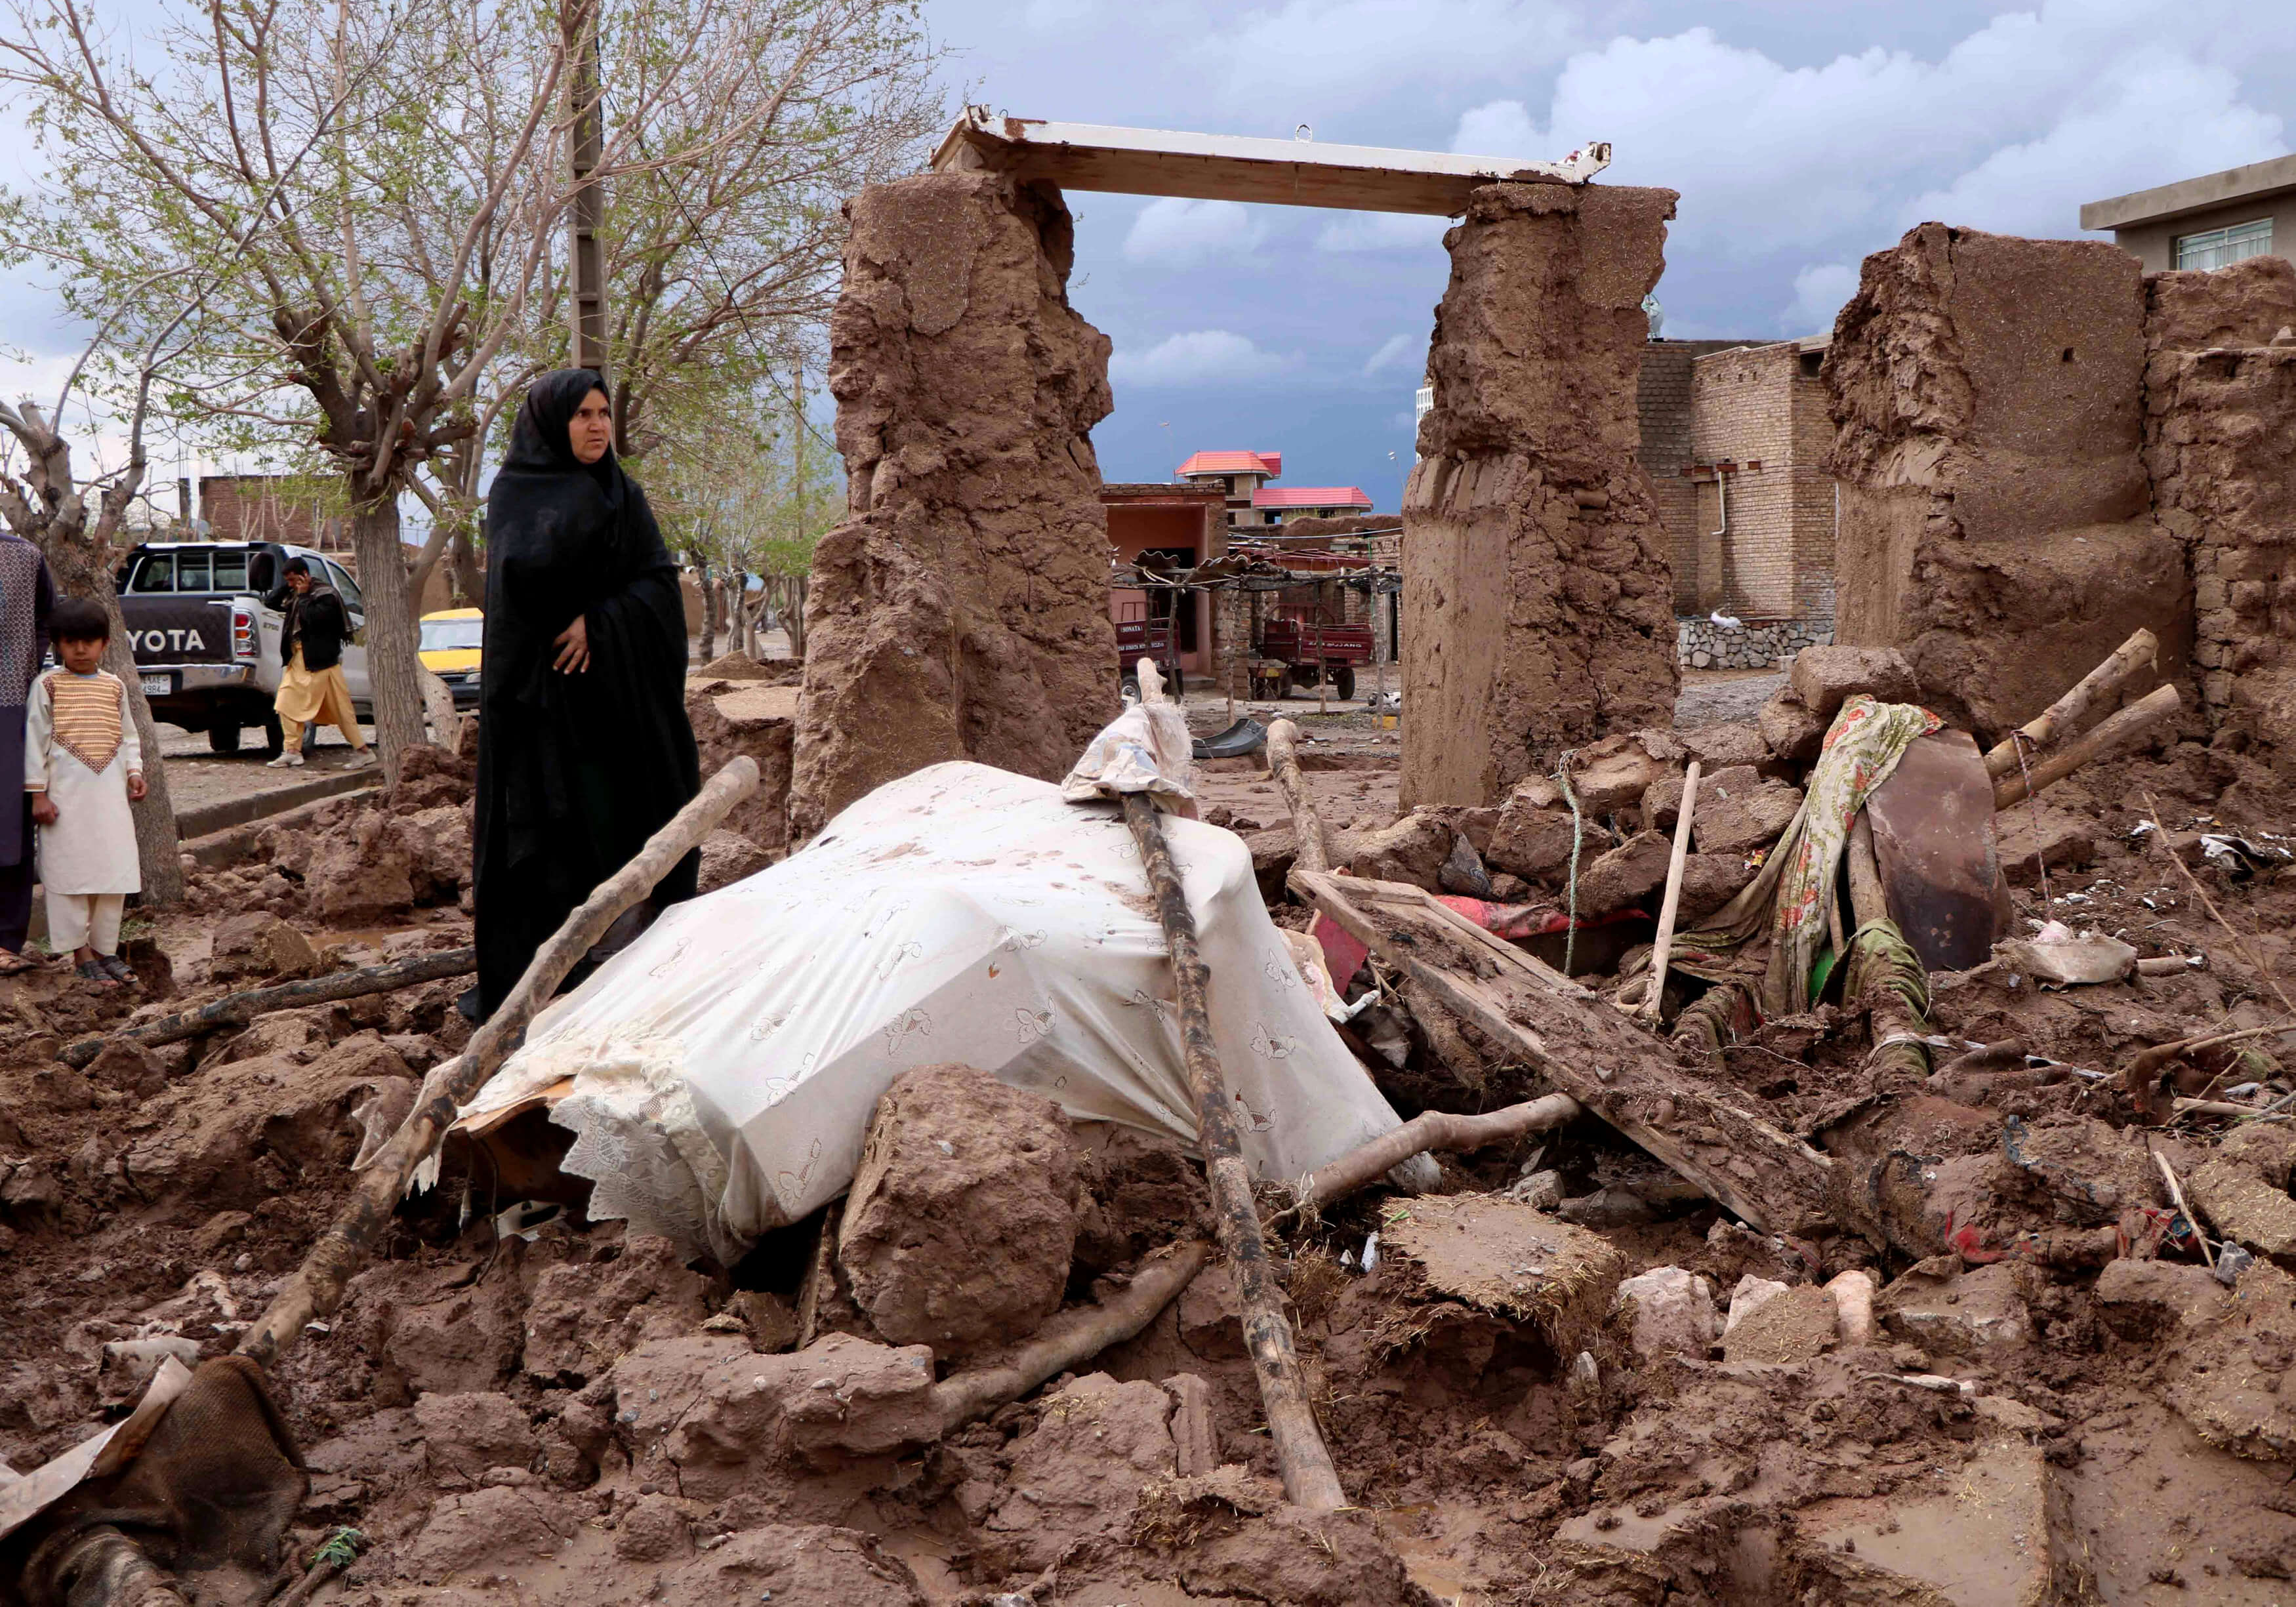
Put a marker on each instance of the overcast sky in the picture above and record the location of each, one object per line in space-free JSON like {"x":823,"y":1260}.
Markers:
{"x":1802,"y":135}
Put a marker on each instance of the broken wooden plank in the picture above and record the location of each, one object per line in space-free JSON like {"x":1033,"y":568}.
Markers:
{"x":1772,"y":1181}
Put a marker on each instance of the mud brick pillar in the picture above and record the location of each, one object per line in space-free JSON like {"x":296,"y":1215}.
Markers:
{"x":2220,"y":451}
{"x":1987,"y":396}
{"x":1537,"y":590}
{"x":961,"y":610}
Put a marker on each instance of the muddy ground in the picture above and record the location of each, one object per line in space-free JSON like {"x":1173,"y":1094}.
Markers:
{"x":540,"y":1413}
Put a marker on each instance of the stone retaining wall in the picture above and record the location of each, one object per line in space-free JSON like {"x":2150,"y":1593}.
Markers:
{"x":1700,"y":643}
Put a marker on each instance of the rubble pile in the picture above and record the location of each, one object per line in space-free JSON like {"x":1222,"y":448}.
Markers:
{"x":1920,"y":1228}
{"x":357,"y":860}
{"x":1963,"y":1377}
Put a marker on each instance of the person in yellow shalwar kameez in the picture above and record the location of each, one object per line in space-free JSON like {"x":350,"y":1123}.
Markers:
{"x":312,"y":689}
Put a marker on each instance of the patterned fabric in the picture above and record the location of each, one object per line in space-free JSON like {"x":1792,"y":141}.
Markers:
{"x":1793,"y":898}
{"x":23,"y":635}
{"x":1865,"y":744}
{"x":86,"y":715}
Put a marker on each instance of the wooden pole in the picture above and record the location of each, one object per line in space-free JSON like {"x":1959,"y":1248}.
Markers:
{"x":2066,"y":716}
{"x":1323,"y":666}
{"x":1069,"y":1339}
{"x":2177,"y":1198}
{"x":1309,"y":1480}
{"x":316,"y":1288}
{"x":1664,"y":949}
{"x":2137,"y":717}
{"x":586,"y":301}
{"x":238,"y":1009}
{"x":1434,"y":1130}
{"x":1311,"y":847}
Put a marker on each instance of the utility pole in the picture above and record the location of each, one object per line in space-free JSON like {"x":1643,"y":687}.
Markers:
{"x":577,"y":27}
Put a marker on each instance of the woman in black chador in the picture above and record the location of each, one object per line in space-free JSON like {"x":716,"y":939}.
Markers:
{"x":584,"y":747}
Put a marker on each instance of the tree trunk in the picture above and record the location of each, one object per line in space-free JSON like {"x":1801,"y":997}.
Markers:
{"x":794,"y":613}
{"x":470,"y":580}
{"x":393,"y":665}
{"x":711,"y":610}
{"x":420,"y":568}
{"x":78,"y":573}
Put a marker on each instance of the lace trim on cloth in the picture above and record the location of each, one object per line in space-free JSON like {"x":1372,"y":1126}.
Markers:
{"x":639,"y":1141}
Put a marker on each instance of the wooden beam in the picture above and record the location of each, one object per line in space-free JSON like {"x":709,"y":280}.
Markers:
{"x":2067,"y":717}
{"x":1770,"y":1180}
{"x":1219,"y":167}
{"x":1305,"y":1462}
{"x":2123,"y":727}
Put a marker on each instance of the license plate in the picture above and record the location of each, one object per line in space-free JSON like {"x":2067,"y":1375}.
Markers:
{"x":158,"y":686}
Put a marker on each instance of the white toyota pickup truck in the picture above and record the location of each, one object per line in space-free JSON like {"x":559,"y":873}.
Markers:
{"x":207,"y":644}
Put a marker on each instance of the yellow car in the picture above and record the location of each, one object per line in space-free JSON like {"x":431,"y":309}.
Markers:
{"x":450,"y":647}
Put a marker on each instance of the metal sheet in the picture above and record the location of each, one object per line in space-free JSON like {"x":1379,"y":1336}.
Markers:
{"x":1933,"y":837}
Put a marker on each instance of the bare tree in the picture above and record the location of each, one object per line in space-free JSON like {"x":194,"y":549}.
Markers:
{"x":49,"y":505}
{"x":717,"y":272}
{"x":388,"y":301}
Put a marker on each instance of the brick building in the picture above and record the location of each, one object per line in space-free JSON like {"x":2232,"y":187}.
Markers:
{"x":1734,"y":435}
{"x":1185,"y":526}
{"x":302,"y":510}
{"x":1242,"y":477}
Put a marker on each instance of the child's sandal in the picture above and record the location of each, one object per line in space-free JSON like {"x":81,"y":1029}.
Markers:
{"x":92,"y":971}
{"x":116,"y":968}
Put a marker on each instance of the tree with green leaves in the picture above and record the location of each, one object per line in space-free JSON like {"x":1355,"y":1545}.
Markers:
{"x":747,"y":488}
{"x":385,"y":302}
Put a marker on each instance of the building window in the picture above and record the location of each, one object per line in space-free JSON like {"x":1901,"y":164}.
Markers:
{"x":2216,"y":248}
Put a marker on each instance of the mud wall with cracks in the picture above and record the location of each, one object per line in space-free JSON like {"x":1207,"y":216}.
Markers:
{"x":961,"y":610}
{"x":1987,"y":395}
{"x":1538,"y":589}
{"x":2220,"y":450}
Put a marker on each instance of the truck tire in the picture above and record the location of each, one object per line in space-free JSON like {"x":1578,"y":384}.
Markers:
{"x":1343,"y":682}
{"x":223,"y":736}
{"x":275,"y":740}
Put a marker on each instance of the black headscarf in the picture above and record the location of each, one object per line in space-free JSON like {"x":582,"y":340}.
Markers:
{"x":576,"y":771}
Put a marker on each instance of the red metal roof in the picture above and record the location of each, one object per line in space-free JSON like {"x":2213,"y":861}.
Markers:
{"x":1313,"y":496}
{"x":1270,"y":464}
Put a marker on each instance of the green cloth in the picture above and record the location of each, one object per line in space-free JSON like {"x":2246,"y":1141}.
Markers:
{"x":1790,"y":901}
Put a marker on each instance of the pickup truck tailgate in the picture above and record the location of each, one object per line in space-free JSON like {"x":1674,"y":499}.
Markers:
{"x":165,"y":630}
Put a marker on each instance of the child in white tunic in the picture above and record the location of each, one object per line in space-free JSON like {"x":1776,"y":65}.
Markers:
{"x":84,"y":766}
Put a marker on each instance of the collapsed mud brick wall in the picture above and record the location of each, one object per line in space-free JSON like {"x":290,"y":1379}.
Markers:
{"x":961,"y":610}
{"x":2220,"y":447}
{"x":1537,"y":594}
{"x":1994,"y":525}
